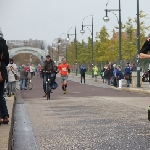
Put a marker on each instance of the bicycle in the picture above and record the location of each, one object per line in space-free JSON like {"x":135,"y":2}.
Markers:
{"x":48,"y":84}
{"x":28,"y":83}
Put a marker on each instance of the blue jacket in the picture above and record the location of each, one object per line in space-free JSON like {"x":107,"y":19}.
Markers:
{"x":127,"y":70}
{"x":82,"y":69}
{"x":119,"y":74}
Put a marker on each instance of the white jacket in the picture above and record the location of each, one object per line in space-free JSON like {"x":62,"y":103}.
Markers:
{"x":12,"y":69}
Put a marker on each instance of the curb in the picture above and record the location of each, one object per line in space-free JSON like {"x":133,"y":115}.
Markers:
{"x":22,"y":134}
{"x":11,"y":128}
{"x":138,"y":90}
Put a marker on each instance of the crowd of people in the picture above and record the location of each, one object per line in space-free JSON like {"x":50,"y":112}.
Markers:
{"x":10,"y":74}
{"x":111,"y":73}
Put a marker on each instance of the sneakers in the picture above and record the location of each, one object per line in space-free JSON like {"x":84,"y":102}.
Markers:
{"x":65,"y":91}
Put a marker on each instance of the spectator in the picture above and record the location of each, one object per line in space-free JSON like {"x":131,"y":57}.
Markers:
{"x":108,"y":74}
{"x":12,"y":71}
{"x":95,"y":70}
{"x":27,"y":68}
{"x":134,"y":68}
{"x":119,"y":76}
{"x":23,"y":76}
{"x":4,"y":116}
{"x":82,"y":72}
{"x":32,"y":70}
{"x":127,"y":74}
{"x":114,"y":75}
{"x":40,"y":70}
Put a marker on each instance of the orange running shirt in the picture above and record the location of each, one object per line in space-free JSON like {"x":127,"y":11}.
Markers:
{"x":63,"y":69}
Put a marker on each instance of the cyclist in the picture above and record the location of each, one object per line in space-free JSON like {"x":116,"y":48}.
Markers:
{"x":49,"y":66}
{"x":64,"y":70}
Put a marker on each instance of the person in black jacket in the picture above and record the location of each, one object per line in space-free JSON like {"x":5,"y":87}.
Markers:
{"x":4,"y":61}
{"x":48,"y":66}
{"x":108,"y":74}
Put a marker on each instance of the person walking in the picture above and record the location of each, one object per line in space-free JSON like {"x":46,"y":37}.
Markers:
{"x":4,"y":59}
{"x":23,"y":76}
{"x":95,"y":70}
{"x":82,"y":72}
{"x":12,"y":71}
{"x":64,"y":71}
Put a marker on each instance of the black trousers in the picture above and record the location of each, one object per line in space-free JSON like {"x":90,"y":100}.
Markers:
{"x":83,"y":76}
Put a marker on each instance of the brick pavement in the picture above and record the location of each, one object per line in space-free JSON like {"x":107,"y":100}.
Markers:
{"x":90,"y":116}
{"x":145,"y":88}
{"x":5,"y":130}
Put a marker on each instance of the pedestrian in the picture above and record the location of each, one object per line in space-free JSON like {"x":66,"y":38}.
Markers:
{"x":114,"y":75}
{"x":95,"y":70}
{"x":23,"y":77}
{"x":12,"y":73}
{"x":119,"y":76}
{"x":82,"y":72}
{"x":4,"y":59}
{"x":27,"y":68}
{"x":108,"y":74}
{"x":32,"y":70}
{"x":127,"y":74}
{"x":40,"y":71}
{"x":64,"y":71}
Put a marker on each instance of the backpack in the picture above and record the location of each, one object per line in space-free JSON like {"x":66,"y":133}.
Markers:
{"x":82,"y":69}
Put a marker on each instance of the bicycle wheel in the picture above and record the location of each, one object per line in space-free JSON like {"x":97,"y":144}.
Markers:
{"x":30,"y":86}
{"x":48,"y":94}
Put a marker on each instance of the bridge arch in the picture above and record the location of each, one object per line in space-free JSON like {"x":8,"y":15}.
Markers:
{"x":40,"y":53}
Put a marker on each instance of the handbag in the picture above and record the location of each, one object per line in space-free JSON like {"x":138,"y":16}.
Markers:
{"x":127,"y":76}
{"x":16,"y":77}
{"x":54,"y":86}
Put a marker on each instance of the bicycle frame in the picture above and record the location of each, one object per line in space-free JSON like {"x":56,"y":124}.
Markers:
{"x":48,"y":84}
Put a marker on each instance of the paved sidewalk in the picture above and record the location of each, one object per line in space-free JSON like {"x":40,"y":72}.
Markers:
{"x":144,"y":89}
{"x":5,"y":130}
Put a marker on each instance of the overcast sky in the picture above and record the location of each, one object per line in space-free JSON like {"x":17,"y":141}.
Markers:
{"x":48,"y":19}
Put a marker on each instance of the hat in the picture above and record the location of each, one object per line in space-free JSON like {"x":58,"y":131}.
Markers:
{"x":48,"y":56}
{"x":128,"y":63}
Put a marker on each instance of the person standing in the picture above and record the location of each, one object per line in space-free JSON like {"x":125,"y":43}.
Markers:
{"x":4,"y":59}
{"x":119,"y":76}
{"x":23,"y":76}
{"x":108,"y":74}
{"x":32,"y":70}
{"x":95,"y":70}
{"x":64,"y":71}
{"x":127,"y":74}
{"x":12,"y":71}
{"x":82,"y":72}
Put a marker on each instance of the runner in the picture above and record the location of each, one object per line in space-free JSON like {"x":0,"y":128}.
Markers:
{"x":64,"y":70}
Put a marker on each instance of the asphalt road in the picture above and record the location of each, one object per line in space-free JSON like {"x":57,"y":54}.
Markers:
{"x":91,"y":116}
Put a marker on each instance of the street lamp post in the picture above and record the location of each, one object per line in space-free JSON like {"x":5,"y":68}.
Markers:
{"x":83,"y":31}
{"x":75,"y":42}
{"x":106,"y":19}
{"x":138,"y":47}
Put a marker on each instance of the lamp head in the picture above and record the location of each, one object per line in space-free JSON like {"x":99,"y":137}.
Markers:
{"x":82,"y":31}
{"x":106,"y":18}
{"x":68,"y":39}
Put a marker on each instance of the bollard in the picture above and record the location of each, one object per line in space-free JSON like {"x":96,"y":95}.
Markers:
{"x":149,"y":112}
